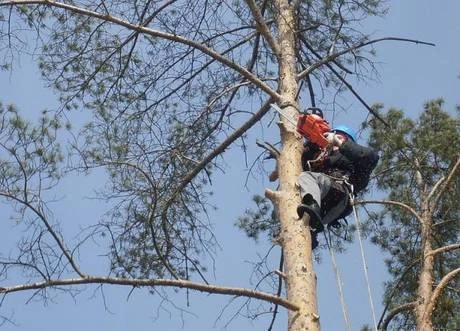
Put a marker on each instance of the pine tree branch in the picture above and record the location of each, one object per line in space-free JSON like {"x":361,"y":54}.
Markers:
{"x":213,"y":289}
{"x":446,"y":182}
{"x":154,"y":33}
{"x":444,"y":249}
{"x":438,"y":291}
{"x":393,"y":203}
{"x":342,"y":79}
{"x":392,"y":313}
{"x":395,"y":288}
{"x":441,"y":223}
{"x":262,"y":26}
{"x":435,"y":187}
{"x":49,"y":228}
{"x":217,"y":151}
{"x":333,"y":56}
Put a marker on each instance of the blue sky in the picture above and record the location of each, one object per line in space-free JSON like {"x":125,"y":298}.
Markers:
{"x":409,"y":75}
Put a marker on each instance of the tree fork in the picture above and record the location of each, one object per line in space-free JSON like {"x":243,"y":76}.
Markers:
{"x":296,"y":240}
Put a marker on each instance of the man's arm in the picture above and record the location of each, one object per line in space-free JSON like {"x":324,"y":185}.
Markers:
{"x":361,"y":156}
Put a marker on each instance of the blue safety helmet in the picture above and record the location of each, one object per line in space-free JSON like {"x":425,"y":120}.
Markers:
{"x":347,"y":130}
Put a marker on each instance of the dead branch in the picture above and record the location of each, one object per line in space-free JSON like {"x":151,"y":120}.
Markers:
{"x":393,"y":203}
{"x":333,"y":56}
{"x":281,"y":277}
{"x":343,"y":80}
{"x":273,"y":196}
{"x":274,"y":152}
{"x":392,"y":313}
{"x":439,"y":289}
{"x":154,"y":282}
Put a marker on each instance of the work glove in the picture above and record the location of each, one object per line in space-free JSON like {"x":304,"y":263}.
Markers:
{"x":333,"y":139}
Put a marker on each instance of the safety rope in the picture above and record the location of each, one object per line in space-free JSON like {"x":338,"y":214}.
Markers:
{"x":338,"y":279}
{"x":363,"y":257}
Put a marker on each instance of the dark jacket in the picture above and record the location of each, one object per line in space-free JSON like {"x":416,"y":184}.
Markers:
{"x":354,"y":161}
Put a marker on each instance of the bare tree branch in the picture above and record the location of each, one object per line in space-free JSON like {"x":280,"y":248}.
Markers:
{"x":50,"y":229}
{"x":393,"y":203}
{"x":392,"y":313}
{"x":435,"y":187}
{"x":444,"y":249}
{"x":280,"y":284}
{"x":395,"y":289}
{"x":439,"y":289}
{"x":155,"y":33}
{"x":333,"y":56}
{"x":154,"y":282}
{"x":446,"y":183}
{"x":262,"y":26}
{"x":220,"y":149}
{"x":342,"y":79}
{"x":272,"y":150}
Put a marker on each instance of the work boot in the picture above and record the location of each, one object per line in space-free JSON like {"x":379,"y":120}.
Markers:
{"x":311,"y":207}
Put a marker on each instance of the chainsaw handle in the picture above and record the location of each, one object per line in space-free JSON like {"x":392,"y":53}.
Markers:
{"x":315,"y":111}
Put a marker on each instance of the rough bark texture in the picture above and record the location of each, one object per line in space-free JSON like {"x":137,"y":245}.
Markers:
{"x":300,"y":276}
{"x":425,"y":290}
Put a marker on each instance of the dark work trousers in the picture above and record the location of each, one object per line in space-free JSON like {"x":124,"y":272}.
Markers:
{"x":318,"y":185}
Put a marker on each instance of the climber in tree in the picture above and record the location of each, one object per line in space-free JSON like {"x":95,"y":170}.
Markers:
{"x":326,"y":182}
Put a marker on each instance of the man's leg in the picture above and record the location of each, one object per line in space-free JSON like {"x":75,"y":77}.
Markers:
{"x":313,"y":186}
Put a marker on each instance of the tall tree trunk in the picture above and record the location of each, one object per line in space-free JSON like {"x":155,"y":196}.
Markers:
{"x":296,"y":241}
{"x":425,"y":281}
{"x":425,"y":286}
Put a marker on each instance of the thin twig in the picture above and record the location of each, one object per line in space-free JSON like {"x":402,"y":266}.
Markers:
{"x":280,"y":286}
{"x":344,"y":81}
{"x":50,"y":229}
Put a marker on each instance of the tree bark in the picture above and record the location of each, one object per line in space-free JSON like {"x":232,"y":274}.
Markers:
{"x":425,"y":288}
{"x":425,"y":285}
{"x":296,"y":241}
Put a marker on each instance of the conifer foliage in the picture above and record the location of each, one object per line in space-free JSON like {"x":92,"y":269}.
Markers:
{"x":419,"y":224}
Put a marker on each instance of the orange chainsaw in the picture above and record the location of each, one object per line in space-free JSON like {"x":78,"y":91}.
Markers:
{"x":310,"y":124}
